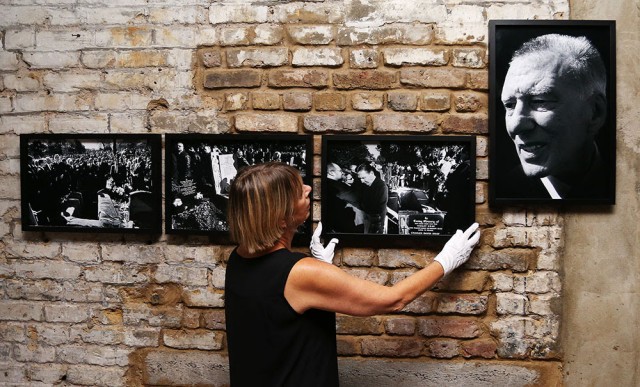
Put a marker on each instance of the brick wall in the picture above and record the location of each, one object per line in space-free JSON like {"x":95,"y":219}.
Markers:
{"x":114,"y":310}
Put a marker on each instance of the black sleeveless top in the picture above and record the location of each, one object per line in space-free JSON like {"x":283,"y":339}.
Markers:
{"x":269,"y":343}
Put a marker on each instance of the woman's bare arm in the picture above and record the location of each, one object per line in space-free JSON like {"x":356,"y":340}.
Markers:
{"x":318,"y":285}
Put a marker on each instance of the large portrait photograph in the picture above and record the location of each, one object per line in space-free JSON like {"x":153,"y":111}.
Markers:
{"x":552,"y":112}
{"x":91,"y":182}
{"x":395,"y":190}
{"x":200,"y":170}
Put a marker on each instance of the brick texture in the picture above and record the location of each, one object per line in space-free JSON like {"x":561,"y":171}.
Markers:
{"x":112,"y":310}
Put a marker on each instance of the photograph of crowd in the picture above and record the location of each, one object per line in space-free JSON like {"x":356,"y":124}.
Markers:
{"x":200,"y":169}
{"x":91,"y":182}
{"x":398,"y":185}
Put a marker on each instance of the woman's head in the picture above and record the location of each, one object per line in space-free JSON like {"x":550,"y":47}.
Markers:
{"x":264,"y":200}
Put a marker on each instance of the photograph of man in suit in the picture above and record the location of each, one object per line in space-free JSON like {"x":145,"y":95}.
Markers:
{"x":555,"y":102}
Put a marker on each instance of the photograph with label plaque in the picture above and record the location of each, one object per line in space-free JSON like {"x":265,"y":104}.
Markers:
{"x":395,"y":190}
{"x":91,"y":182}
{"x":201,"y":167}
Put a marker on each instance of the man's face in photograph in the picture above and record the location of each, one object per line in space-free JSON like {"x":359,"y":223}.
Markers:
{"x":546,"y":116}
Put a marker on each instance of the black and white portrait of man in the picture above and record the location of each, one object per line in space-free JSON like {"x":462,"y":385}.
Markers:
{"x":553,"y":117}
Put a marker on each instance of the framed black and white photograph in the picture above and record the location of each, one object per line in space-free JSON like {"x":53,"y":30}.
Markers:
{"x":552,"y":111}
{"x":91,"y":182}
{"x":200,"y":169}
{"x":396,"y":190}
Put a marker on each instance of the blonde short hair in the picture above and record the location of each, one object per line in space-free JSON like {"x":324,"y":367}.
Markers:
{"x":261,"y":196}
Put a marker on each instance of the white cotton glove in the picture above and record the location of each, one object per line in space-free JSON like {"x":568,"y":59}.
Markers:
{"x":318,"y":250}
{"x":458,"y":249}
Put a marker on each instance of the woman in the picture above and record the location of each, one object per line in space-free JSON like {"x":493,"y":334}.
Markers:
{"x":280,"y":305}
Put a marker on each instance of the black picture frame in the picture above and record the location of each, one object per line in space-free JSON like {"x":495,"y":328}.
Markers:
{"x":196,"y":196}
{"x":508,"y":184}
{"x":91,"y":183}
{"x":429,"y":180}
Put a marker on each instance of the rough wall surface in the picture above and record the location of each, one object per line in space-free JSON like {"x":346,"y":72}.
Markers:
{"x":602,"y":260}
{"x":114,"y":310}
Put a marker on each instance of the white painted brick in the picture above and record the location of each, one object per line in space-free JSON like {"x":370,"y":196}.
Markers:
{"x":363,"y":59}
{"x":322,"y":34}
{"x":48,"y":374}
{"x":12,"y":332}
{"x":28,"y":103}
{"x":525,"y":11}
{"x":543,"y":304}
{"x":81,"y":291}
{"x":98,"y":59}
{"x":177,"y":15}
{"x":22,"y":81}
{"x":121,"y":101}
{"x":72,"y":81}
{"x":180,"y":59}
{"x":20,"y":310}
{"x":93,"y":354}
{"x":60,"y":16}
{"x":502,"y":282}
{"x":23,"y":15}
{"x":238,"y":13}
{"x":52,"y":334}
{"x":203,"y":297}
{"x":302,"y":12}
{"x":66,"y":123}
{"x":259,"y":57}
{"x":396,"y":11}
{"x":34,"y":354}
{"x":81,"y":252}
{"x":510,"y":303}
{"x":317,"y":57}
{"x":132,"y":253}
{"x":10,"y":187}
{"x":461,"y":13}
{"x":191,"y":276}
{"x":46,"y":269}
{"x":31,"y":249}
{"x":22,"y":124}
{"x":123,"y":37}
{"x":111,"y":15}
{"x":109,"y":335}
{"x":142,"y":337}
{"x":52,"y":60}
{"x":543,"y":282}
{"x":482,"y":146}
{"x":174,"y":36}
{"x":34,"y":290}
{"x":8,"y":61}
{"x":209,"y":256}
{"x":414,"y":56}
{"x":459,"y":33}
{"x":128,"y":122}
{"x":6,"y":105}
{"x":23,"y":38}
{"x":116,"y":274}
{"x":68,"y":40}
{"x":206,"y":36}
{"x":192,"y":339}
{"x":144,"y":79}
{"x":70,"y":313}
{"x":514,"y":217}
{"x":170,"y":316}
{"x":218,"y":277}
{"x":101,"y":376}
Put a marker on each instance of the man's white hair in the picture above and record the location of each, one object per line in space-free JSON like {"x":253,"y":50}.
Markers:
{"x":581,"y":60}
